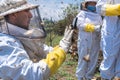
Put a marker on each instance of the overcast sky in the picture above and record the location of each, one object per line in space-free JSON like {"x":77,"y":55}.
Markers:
{"x":53,"y":8}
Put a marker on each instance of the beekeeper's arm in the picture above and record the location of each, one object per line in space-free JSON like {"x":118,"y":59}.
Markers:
{"x":82,"y":24}
{"x":107,"y":9}
{"x":58,"y":55}
{"x":89,"y":27}
{"x":15,"y":63}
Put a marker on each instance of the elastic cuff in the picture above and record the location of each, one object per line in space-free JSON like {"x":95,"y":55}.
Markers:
{"x":103,"y":10}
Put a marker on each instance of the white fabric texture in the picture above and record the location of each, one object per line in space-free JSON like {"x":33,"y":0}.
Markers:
{"x":15,"y":64}
{"x":33,"y":43}
{"x":66,"y":40}
{"x":88,"y":43}
{"x":19,"y":59}
{"x":110,"y":42}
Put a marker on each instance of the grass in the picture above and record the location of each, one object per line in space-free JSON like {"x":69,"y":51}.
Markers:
{"x":67,"y":70}
{"x":52,"y":39}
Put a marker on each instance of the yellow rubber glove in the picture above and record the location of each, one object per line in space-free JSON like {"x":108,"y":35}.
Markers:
{"x":55,"y":59}
{"x":89,"y":28}
{"x":112,"y":10}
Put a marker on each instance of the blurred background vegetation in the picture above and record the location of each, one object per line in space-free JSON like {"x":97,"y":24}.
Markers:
{"x":55,"y":29}
{"x":55,"y":32}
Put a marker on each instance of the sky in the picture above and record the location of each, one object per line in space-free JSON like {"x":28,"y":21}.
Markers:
{"x":53,"y":8}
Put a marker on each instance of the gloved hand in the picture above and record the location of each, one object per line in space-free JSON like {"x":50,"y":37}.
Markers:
{"x":97,"y":28}
{"x":89,"y":28}
{"x":66,"y":40}
{"x":92,"y":28}
{"x":112,"y":10}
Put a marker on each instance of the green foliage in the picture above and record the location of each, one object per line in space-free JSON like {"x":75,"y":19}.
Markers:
{"x":55,"y":31}
{"x":66,"y":71}
{"x":70,"y":12}
{"x":52,"y":39}
{"x":58,"y":27}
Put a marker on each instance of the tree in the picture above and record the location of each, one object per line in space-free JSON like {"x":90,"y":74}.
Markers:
{"x":69,"y":14}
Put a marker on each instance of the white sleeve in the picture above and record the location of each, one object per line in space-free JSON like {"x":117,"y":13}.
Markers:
{"x":99,"y":7}
{"x":15,"y":63}
{"x":99,"y":24}
{"x":101,"y":21}
{"x":47,"y":49}
{"x":81,"y":20}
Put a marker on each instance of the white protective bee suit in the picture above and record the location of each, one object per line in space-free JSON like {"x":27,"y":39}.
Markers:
{"x":23,"y":54}
{"x":88,"y":44}
{"x":110,"y":38}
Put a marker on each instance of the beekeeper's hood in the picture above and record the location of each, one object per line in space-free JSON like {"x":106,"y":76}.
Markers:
{"x":12,"y":6}
{"x":86,"y":1}
{"x":91,"y":1}
{"x":33,"y":38}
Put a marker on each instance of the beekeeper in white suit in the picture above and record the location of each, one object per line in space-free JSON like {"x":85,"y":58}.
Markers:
{"x":110,"y":41}
{"x":23,"y":54}
{"x":88,"y":24}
